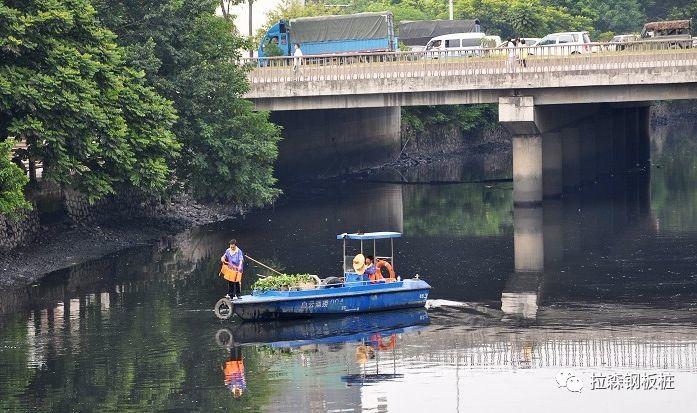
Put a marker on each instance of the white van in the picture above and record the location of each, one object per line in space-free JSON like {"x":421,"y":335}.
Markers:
{"x":563,"y":44}
{"x":460,"y":44}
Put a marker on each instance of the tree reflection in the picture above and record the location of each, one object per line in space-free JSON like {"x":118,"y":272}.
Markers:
{"x":457,"y":210}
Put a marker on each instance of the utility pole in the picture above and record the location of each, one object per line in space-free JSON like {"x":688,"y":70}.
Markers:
{"x":450,"y":8}
{"x":251,"y":32}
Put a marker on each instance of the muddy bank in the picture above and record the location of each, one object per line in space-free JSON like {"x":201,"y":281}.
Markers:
{"x":64,"y":244}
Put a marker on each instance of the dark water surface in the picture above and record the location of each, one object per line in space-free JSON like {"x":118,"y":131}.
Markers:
{"x":604,"y":301}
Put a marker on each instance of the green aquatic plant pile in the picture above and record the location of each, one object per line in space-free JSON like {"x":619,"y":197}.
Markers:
{"x":279,"y":282}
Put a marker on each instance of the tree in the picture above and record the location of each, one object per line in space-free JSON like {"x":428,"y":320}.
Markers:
{"x":528,"y":18}
{"x":617,"y":16}
{"x":65,"y":89}
{"x":188,"y":54}
{"x":12,"y":183}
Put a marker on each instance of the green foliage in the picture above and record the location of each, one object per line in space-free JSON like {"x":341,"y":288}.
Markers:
{"x":684,"y":11}
{"x":406,"y":9}
{"x":526,"y":18}
{"x":271,"y":49}
{"x":464,"y":117}
{"x":66,"y":90}
{"x":618,"y":16}
{"x":12,"y":183}
{"x":188,"y":55}
{"x":280,"y":282}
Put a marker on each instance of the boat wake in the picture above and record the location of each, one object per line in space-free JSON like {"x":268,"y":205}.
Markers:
{"x":431,"y":304}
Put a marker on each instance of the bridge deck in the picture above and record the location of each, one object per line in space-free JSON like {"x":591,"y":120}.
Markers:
{"x":398,"y":79}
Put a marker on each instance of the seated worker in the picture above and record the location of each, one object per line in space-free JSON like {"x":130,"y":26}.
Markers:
{"x":371,"y":270}
{"x":374,"y":269}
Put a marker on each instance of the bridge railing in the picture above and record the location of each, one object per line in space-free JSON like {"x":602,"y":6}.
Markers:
{"x":478,"y":61}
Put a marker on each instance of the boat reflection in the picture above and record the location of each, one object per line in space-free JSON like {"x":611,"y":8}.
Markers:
{"x":326,"y":331}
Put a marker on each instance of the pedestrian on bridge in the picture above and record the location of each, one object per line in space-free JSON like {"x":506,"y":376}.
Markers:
{"x":297,"y":57}
{"x":512,"y":55}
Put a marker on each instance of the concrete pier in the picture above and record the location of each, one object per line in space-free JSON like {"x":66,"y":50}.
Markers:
{"x":571,"y":152}
{"x":631,"y":117}
{"x":527,"y":170}
{"x":644,"y":137}
{"x":604,"y":146}
{"x":619,"y":141}
{"x":552,"y":175}
{"x":589,"y":155}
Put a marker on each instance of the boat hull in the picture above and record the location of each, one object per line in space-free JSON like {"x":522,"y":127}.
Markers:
{"x":334,"y":301}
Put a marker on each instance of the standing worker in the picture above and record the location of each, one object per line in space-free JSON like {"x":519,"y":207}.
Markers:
{"x":297,"y":56}
{"x":233,"y":264}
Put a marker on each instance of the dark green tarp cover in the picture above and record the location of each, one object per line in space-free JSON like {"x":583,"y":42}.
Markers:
{"x":361,"y":26}
{"x":418,"y":33}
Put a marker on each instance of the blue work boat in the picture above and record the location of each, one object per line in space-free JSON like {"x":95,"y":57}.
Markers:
{"x":354,"y":292}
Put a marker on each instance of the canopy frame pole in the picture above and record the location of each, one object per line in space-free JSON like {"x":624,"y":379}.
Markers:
{"x":392,"y":251}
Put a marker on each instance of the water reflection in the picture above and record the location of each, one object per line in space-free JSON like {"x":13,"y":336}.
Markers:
{"x":604,"y":281}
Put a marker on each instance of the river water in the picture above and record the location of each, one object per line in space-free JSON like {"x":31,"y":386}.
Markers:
{"x":587,"y":304}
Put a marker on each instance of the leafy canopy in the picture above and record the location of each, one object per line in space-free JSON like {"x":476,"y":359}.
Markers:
{"x":188,"y":54}
{"x":66,"y":90}
{"x":12,"y":183}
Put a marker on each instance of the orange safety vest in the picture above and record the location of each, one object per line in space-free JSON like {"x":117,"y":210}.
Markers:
{"x":230,"y":274}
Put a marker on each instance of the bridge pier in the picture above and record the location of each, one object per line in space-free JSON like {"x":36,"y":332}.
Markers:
{"x":329,"y":142}
{"x":589,"y":155}
{"x":518,"y":115}
{"x":571,"y":153}
{"x":619,"y":141}
{"x":552,"y":175}
{"x":604,"y":144}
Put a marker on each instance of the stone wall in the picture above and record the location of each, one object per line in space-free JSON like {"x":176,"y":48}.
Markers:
{"x":128,"y":204}
{"x":14,"y":233}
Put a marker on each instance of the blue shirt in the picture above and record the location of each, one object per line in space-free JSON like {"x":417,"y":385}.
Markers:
{"x":235,"y":260}
{"x":371,"y":270}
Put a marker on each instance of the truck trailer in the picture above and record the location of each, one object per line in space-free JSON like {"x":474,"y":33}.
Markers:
{"x":352,"y":33}
{"x":416,"y":34}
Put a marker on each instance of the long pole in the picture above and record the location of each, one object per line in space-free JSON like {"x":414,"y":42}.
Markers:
{"x":450,"y":8}
{"x":263,"y":265}
{"x":251,"y":48}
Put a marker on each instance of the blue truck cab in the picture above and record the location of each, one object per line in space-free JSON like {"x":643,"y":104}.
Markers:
{"x":278,"y":33}
{"x":353,"y":33}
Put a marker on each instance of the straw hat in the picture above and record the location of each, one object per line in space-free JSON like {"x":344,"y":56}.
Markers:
{"x":359,"y":264}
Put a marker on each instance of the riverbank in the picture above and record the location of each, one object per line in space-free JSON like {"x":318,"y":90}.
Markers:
{"x":64,"y":244}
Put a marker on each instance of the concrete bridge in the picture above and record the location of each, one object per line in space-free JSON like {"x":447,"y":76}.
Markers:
{"x":334,"y":107}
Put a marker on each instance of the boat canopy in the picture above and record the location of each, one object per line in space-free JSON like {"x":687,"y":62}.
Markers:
{"x":369,"y":235}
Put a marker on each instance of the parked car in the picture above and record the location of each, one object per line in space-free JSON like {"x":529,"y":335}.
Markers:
{"x":460,"y":44}
{"x":616,"y":43}
{"x":567,"y":43}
